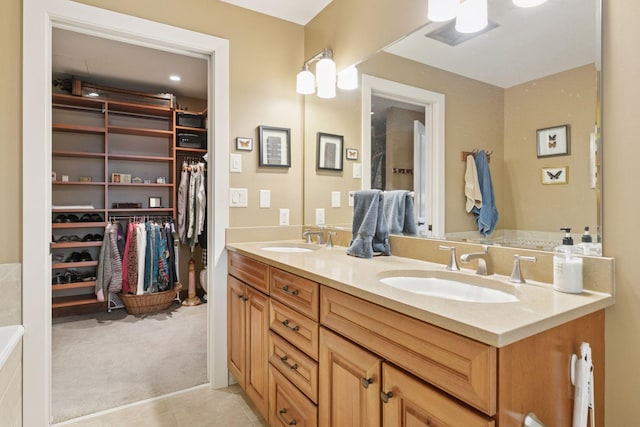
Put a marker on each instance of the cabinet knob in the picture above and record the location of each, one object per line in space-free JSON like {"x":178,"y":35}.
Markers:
{"x":284,"y":419}
{"x":366,"y":381}
{"x":286,"y":290}
{"x":295,"y":328}
{"x":386,"y":396}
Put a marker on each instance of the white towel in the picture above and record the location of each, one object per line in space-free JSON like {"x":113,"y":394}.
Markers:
{"x":471,"y":185}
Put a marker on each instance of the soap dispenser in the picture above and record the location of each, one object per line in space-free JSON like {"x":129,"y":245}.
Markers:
{"x":567,"y":266}
{"x":585,"y":247}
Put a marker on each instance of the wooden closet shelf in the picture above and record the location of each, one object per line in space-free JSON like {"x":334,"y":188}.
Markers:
{"x":132,"y":108}
{"x":139,"y":158}
{"x":63,"y":245}
{"x":78,"y":224}
{"x":191,"y":129}
{"x":191,"y":150}
{"x":141,"y":131}
{"x":77,"y":183}
{"x":82,"y":154}
{"x":142,"y":210}
{"x":75,"y":285}
{"x":65,"y":101}
{"x":64,"y":127}
{"x":62,"y":265}
{"x":73,"y":301}
{"x":118,"y":184}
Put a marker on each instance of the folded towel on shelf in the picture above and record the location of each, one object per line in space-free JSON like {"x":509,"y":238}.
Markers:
{"x":487,"y":216}
{"x":370,"y":233}
{"x":471,"y":185}
{"x":398,"y":211}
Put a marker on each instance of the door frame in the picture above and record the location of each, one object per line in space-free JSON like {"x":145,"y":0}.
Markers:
{"x":433,"y":103}
{"x":39,"y":17}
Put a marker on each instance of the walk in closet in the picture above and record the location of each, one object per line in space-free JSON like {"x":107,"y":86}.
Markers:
{"x":112,"y":159}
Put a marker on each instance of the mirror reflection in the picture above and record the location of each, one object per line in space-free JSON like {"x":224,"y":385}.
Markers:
{"x":502,"y":89}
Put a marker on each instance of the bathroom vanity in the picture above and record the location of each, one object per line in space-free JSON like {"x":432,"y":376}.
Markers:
{"x":315,"y":338}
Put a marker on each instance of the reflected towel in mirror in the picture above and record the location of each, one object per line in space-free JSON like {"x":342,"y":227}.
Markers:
{"x":370,"y":233}
{"x":398,"y":211}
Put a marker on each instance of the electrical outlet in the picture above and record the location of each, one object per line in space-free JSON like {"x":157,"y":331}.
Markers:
{"x":357,"y":170}
{"x":284,"y":216}
{"x":335,"y":199}
{"x":265,"y":199}
{"x":235,"y":163}
{"x":319,"y":216}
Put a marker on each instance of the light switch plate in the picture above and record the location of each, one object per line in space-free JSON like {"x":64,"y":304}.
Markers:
{"x":238,"y":197}
{"x":319,"y":216}
{"x":284,"y":216}
{"x":235,"y":163}
{"x":351,"y":193}
{"x":265,"y":199}
{"x":357,"y":170}
{"x":335,"y":199}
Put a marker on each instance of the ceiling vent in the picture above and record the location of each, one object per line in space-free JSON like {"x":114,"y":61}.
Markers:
{"x":447,"y":33}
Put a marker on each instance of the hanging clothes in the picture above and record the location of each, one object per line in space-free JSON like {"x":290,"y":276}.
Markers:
{"x":192,"y":203}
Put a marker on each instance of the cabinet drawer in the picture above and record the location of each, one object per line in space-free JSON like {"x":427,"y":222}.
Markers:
{"x":249,"y":271}
{"x":299,"y":330}
{"x":419,"y":404}
{"x":298,"y":293}
{"x":287,"y":405}
{"x":299,"y":368}
{"x":458,"y":365}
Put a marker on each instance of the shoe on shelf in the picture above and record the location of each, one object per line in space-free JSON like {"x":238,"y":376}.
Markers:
{"x":58,"y":279}
{"x":85,"y":218}
{"x":70,"y":277}
{"x":96,"y":218}
{"x":57,"y":259}
{"x":72,"y":218}
{"x":85,"y":256}
{"x":60,"y":219}
{"x":88,"y":238}
{"x":98,"y":237}
{"x":74,"y":257}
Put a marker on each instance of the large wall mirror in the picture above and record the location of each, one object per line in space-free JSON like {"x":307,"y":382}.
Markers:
{"x":506,"y":91}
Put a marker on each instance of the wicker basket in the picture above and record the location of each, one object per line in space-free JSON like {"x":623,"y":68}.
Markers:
{"x":149,"y":303}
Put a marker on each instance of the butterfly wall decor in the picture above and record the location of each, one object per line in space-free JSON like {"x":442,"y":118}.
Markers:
{"x":553,"y":141}
{"x":555,"y":175}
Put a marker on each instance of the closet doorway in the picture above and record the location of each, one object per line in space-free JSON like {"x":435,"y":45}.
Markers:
{"x":103,"y":357}
{"x":37,"y":151}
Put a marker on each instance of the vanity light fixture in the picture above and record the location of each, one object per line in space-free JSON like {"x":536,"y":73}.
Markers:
{"x":326,"y":77}
{"x":442,"y":10}
{"x":472,"y":16}
{"x":528,"y":3}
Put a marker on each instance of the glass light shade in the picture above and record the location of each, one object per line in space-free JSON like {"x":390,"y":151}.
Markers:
{"x":528,"y":3}
{"x":348,"y":78}
{"x":305,"y":83}
{"x":472,"y":16}
{"x":442,"y":10}
{"x":326,"y":71}
{"x":326,"y":90}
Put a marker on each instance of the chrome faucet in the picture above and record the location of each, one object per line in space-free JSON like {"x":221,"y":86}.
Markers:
{"x":319,"y":236}
{"x":453,"y":262}
{"x":330,"y":235}
{"x":485,"y":268}
{"x":516,"y":274}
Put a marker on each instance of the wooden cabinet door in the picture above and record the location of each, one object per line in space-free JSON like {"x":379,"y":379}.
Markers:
{"x":349,"y":384}
{"x":408,"y":402}
{"x":257,"y":345}
{"x":236,"y":337}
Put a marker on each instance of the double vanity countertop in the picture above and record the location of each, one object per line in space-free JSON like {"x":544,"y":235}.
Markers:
{"x":537,"y":309}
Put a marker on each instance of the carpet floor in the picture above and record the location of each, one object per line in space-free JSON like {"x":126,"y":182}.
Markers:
{"x":105,"y":360}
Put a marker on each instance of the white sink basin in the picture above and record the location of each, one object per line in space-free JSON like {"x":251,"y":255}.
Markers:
{"x":290,"y":248}
{"x":448,"y":286}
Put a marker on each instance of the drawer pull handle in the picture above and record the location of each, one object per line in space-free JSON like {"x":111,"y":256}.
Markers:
{"x":366,"y":381}
{"x":295,"y":328}
{"x":286,"y":290}
{"x":284,"y":360}
{"x":386,"y":396}
{"x":281,"y":413}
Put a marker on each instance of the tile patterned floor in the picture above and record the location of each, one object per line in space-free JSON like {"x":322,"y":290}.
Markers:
{"x":198,"y":407}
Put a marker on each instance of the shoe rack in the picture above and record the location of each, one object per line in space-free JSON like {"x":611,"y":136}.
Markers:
{"x":95,"y":143}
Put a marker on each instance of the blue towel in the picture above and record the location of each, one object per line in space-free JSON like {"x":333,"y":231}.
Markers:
{"x":370,"y":233}
{"x":398,"y":211}
{"x":487,"y":216}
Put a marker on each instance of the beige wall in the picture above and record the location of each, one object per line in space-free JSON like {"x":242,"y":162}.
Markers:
{"x":564,"y":98}
{"x":265,"y":55}
{"x":621,"y":127}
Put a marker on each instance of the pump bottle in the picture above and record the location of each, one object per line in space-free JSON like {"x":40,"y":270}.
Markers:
{"x":567,"y":266}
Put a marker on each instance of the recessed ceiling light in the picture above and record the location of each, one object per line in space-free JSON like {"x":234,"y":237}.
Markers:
{"x":175,"y":78}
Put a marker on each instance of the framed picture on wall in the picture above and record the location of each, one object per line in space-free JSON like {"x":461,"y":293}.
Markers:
{"x":557,"y":175}
{"x":351,"y":154}
{"x":553,"y":141}
{"x":330,"y":151}
{"x":275,"y":147}
{"x":244,"y":144}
